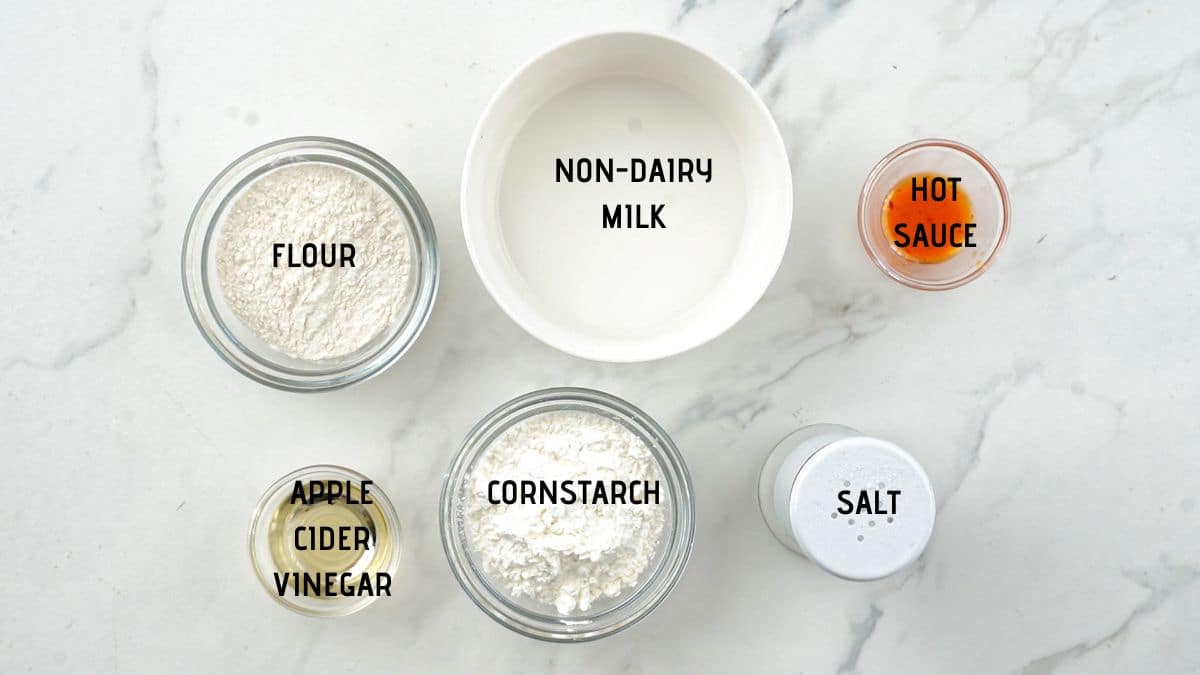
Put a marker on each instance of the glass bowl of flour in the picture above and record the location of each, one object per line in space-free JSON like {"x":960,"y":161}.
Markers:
{"x":310,"y":264}
{"x":567,"y":515}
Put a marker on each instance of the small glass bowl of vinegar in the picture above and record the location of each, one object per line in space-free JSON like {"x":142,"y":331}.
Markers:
{"x":273,"y":537}
{"x":971,"y":190}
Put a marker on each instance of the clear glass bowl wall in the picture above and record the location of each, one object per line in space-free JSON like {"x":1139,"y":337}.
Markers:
{"x":261,"y":530}
{"x":239,"y":346}
{"x":984,"y":186}
{"x":605,"y":617}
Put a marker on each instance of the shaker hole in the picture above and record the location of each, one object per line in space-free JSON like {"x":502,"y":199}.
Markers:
{"x":890,"y":519}
{"x":850,"y":522}
{"x":860,"y":537}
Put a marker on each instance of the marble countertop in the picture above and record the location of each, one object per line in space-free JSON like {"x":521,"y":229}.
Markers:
{"x":1053,"y":401}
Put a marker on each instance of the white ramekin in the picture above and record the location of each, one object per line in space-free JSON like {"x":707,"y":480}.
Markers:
{"x":716,"y":89}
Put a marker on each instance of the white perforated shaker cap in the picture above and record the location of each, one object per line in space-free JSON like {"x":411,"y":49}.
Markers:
{"x":862,"y":508}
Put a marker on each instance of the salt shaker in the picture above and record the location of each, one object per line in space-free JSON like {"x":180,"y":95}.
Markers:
{"x":859,"y":507}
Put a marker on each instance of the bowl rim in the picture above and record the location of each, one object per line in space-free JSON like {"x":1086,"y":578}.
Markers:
{"x":864,"y":212}
{"x":631,"y":352}
{"x":196,"y":244}
{"x":677,"y":545}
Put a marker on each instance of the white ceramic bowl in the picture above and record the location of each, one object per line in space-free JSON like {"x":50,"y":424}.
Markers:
{"x":621,"y":295}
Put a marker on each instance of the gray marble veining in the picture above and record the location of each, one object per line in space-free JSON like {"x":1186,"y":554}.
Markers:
{"x":1052,"y":401}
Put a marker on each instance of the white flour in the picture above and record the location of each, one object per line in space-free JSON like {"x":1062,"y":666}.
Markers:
{"x":567,"y":556}
{"x":319,"y":312}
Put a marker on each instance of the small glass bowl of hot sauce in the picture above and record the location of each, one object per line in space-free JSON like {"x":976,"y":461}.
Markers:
{"x":933,"y":214}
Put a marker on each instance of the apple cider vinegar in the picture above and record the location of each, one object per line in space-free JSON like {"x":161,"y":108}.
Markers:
{"x":324,"y":543}
{"x":330,"y":538}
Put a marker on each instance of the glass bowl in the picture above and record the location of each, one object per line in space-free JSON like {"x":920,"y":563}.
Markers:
{"x":235,"y":342}
{"x":982,"y":183}
{"x":525,"y":615}
{"x":384,"y":557}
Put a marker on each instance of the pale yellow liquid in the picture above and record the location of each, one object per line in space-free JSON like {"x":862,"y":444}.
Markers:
{"x":288,"y":517}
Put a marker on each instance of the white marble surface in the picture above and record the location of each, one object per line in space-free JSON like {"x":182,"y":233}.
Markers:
{"x":1053,"y":401}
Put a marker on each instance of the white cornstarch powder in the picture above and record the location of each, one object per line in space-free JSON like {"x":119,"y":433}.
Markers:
{"x":565,"y":555}
{"x":314,"y":312}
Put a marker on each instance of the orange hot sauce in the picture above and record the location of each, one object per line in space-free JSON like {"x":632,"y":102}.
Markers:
{"x":928,"y":218}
